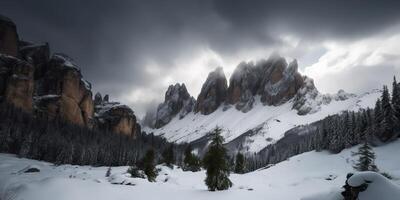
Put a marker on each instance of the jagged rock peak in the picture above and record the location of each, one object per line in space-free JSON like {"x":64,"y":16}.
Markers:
{"x":213,"y":92}
{"x":280,"y":81}
{"x":243,"y":85}
{"x":177,"y":101}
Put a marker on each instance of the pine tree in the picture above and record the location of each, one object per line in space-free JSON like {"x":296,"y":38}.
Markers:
{"x":191,"y":161}
{"x":108,"y":173}
{"x":396,"y":103}
{"x":216,"y":164}
{"x":366,"y":159}
{"x":149,"y":167}
{"x":168,"y":156}
{"x":239,"y":164}
{"x":388,"y":116}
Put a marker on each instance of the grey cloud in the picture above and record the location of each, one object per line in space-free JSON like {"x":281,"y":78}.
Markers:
{"x":113,"y":40}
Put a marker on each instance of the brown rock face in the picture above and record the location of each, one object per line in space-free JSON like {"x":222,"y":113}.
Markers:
{"x":17,"y":84}
{"x":87,"y":108}
{"x":280,"y":82}
{"x":37,"y":55}
{"x":8,"y":37}
{"x":56,"y":106}
{"x":243,"y":85}
{"x":70,"y":110}
{"x":63,"y":78}
{"x":213,"y":92}
{"x":117,"y":118}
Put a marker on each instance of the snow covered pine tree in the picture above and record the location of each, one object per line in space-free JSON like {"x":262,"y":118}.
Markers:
{"x":366,"y":159}
{"x":216,"y":163}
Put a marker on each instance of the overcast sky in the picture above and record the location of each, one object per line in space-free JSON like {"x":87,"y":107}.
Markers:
{"x":133,"y":50}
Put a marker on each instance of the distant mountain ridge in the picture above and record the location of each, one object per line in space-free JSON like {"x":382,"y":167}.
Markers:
{"x":267,"y":97}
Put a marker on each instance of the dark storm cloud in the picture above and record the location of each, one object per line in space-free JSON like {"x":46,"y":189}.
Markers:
{"x":114,"y":40}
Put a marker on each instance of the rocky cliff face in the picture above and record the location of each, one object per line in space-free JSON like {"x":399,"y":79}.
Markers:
{"x":177,"y":101}
{"x":280,"y":81}
{"x":213,"y":92}
{"x":115,"y":117}
{"x":16,"y":82}
{"x":243,"y":85}
{"x":8,"y":37}
{"x":64,"y":79}
{"x":53,"y":86}
{"x":273,"y":81}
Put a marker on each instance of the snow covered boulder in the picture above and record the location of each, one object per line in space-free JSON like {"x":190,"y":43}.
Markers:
{"x":122,"y":179}
{"x":363,"y":186}
{"x":376,"y":186}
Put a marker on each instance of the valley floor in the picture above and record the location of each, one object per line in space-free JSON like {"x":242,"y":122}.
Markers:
{"x":308,"y":174}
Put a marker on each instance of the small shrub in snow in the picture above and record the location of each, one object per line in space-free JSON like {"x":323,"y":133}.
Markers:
{"x":168,"y":156}
{"x":149,"y":167}
{"x":239,"y":164}
{"x":387,"y":175}
{"x":135,"y":172}
{"x":191,"y":161}
{"x":108,"y":173}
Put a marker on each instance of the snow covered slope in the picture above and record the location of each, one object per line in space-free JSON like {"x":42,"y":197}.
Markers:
{"x":271,"y":122}
{"x":305,"y":176}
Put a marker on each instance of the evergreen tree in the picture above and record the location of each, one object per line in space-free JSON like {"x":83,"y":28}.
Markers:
{"x":366,"y":159}
{"x":396,"y":103}
{"x":108,"y":173}
{"x":216,"y":164}
{"x":149,"y":167}
{"x":191,"y":162}
{"x":168,"y":156}
{"x":239,"y":164}
{"x":387,"y":123}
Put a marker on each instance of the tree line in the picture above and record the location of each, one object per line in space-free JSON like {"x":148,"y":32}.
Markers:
{"x":60,"y":142}
{"x":377,"y":125}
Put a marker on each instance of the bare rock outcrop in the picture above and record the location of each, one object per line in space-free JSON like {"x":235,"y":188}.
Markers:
{"x":36,"y":54}
{"x":243,"y":85}
{"x":16,"y":82}
{"x":63,"y":78}
{"x":177,"y":101}
{"x":8,"y":37}
{"x":213,"y":92}
{"x":280,"y":81}
{"x":113,"y":116}
{"x":53,"y":87}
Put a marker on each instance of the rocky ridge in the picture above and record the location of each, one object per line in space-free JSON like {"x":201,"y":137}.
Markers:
{"x":53,"y":86}
{"x":271,"y":81}
{"x":213,"y":92}
{"x":177,"y":101}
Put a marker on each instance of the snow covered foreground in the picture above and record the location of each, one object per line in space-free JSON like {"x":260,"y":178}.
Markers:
{"x":312,"y":175}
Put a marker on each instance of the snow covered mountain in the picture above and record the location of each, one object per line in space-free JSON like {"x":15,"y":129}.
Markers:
{"x":267,"y":98}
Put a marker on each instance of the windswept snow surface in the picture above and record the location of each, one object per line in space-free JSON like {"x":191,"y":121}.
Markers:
{"x":274,"y":121}
{"x":312,"y":175}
